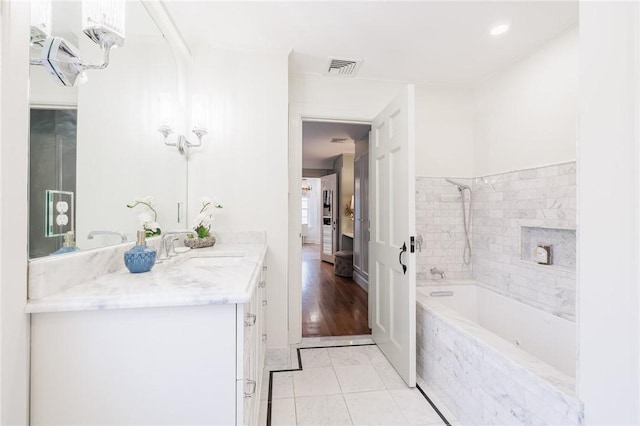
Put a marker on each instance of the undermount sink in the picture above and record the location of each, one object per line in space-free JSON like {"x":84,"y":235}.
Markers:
{"x":213,"y":259}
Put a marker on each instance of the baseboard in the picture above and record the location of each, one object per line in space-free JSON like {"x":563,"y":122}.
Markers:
{"x":361,"y":279}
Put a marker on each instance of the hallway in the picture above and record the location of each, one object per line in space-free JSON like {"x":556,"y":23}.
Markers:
{"x":331,"y":305}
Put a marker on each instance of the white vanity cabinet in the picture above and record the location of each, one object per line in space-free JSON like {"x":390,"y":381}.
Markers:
{"x":175,"y":365}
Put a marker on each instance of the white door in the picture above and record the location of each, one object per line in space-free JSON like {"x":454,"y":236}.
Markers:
{"x":392,"y":271}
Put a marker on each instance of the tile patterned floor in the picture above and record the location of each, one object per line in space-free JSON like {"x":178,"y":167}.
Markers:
{"x":345,"y":385}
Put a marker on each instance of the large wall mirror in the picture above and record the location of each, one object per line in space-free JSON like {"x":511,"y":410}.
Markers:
{"x":95,"y":147}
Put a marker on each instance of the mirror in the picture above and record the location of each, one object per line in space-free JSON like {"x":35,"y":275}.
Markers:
{"x":95,"y":148}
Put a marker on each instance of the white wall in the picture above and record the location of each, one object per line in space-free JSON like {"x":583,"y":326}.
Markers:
{"x":526,"y":115}
{"x":43,"y":89}
{"x":608,"y":238}
{"x":444,"y":132}
{"x":335,"y":97}
{"x":14,"y":124}
{"x":444,"y":116}
{"x":244,"y":158}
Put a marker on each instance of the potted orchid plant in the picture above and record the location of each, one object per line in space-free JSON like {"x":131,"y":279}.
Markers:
{"x":148,"y":219}
{"x":202,"y":225}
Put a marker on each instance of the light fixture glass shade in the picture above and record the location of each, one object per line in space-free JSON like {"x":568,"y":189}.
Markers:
{"x":199,"y":112}
{"x":166,"y":114}
{"x":40,"y":20}
{"x":62,"y":60}
{"x":103,"y":21}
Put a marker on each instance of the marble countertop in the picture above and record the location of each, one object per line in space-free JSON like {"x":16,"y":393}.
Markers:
{"x":225,"y":273}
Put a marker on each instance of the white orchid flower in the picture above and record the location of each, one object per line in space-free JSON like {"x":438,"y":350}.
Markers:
{"x":152,"y":225}
{"x":144,"y":218}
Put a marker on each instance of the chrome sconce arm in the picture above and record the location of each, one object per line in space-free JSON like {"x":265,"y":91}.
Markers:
{"x":181,"y":142}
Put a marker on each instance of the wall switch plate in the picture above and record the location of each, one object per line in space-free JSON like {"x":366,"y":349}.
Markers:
{"x":542,"y":254}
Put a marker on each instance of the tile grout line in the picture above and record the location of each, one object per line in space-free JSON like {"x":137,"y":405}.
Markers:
{"x":300,"y":368}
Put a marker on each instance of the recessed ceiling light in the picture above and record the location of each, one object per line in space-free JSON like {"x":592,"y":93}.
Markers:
{"x":499,"y":29}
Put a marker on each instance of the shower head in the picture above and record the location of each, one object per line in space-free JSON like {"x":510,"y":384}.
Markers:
{"x":460,"y":186}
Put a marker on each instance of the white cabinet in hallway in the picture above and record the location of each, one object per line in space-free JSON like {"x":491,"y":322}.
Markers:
{"x":174,"y":365}
{"x":329,"y":217}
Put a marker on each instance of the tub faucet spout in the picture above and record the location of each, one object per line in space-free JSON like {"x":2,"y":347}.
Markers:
{"x":436,"y":271}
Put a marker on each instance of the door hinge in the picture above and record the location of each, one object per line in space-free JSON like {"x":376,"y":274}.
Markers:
{"x":413,"y":244}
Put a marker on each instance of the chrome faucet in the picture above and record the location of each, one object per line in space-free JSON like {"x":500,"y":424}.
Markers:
{"x":168,"y":238}
{"x":123,"y":237}
{"x":436,"y":271}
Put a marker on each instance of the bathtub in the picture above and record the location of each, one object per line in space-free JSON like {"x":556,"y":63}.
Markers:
{"x":494,"y":360}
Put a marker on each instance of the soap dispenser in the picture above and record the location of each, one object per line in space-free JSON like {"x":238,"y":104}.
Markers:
{"x":69,"y":244}
{"x":140,"y":258}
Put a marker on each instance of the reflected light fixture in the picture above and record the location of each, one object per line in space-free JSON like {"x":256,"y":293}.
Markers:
{"x":499,"y":29}
{"x":199,"y":114}
{"x":103,"y":22}
{"x":306,"y":187}
{"x":350,"y":209}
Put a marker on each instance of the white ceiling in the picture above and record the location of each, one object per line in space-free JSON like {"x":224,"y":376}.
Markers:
{"x":441,"y":43}
{"x":444,"y":43}
{"x":318,"y":151}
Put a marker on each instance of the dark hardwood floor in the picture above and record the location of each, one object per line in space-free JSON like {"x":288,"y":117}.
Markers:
{"x":331,"y":305}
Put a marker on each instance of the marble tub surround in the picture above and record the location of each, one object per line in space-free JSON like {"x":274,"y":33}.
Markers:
{"x":484,"y":379}
{"x":439,"y":221}
{"x":225,"y":273}
{"x":542,"y":198}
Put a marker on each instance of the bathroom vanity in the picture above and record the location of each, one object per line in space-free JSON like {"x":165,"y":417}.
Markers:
{"x":182,"y":344}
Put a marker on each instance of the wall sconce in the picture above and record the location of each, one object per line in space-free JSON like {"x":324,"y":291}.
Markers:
{"x":199,"y":113}
{"x":102,"y":21}
{"x":306,"y":187}
{"x":40,"y":21}
{"x":349,"y":209}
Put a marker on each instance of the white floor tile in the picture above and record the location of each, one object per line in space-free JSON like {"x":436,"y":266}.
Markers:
{"x":315,"y":381}
{"x":358,"y":378}
{"x":374,"y":408}
{"x":283,"y":412}
{"x":282,"y":385}
{"x":322,"y":410}
{"x":314,"y":358}
{"x":352,"y":355}
{"x":390,"y":376}
{"x":415,"y":408}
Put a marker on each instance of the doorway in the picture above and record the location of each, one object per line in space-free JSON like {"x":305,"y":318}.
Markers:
{"x":333,"y":303}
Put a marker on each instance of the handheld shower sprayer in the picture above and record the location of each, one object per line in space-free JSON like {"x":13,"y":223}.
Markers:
{"x":466,"y":219}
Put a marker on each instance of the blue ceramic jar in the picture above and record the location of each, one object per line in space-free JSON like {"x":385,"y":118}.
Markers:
{"x":140,"y":258}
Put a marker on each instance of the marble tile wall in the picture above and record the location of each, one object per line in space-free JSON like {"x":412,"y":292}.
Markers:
{"x":439,"y":221}
{"x":482,"y":386}
{"x":544,"y":197}
{"x":503,"y":204}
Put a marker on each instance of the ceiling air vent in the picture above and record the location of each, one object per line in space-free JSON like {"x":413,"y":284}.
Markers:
{"x":344,"y":67}
{"x":339,"y":140}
